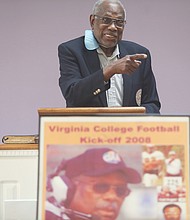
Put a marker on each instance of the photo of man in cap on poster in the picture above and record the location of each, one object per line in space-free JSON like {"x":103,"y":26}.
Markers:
{"x":93,"y":186}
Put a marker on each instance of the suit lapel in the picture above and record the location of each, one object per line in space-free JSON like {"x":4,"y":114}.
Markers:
{"x":92,"y":60}
{"x":93,"y":63}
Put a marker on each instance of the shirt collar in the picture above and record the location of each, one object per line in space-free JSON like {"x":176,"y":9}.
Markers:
{"x":90,"y":41}
{"x":92,"y":44}
{"x":114,"y":54}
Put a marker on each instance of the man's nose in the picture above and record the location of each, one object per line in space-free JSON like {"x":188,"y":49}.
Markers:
{"x":113,"y":25}
{"x":111,"y":194}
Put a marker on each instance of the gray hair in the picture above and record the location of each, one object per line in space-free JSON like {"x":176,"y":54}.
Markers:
{"x":97,"y":6}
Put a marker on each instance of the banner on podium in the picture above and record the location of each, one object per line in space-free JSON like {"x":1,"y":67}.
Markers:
{"x":114,"y":167}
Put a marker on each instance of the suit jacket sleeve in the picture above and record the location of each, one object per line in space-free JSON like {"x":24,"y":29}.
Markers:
{"x":150,"y":99}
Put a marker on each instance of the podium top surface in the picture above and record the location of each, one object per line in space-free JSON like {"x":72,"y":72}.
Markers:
{"x":18,"y":146}
{"x":91,"y":110}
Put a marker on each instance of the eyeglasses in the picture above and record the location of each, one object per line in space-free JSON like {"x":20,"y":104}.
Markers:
{"x":101,"y":188}
{"x":119,"y":23}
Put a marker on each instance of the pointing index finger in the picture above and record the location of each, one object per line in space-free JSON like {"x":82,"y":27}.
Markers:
{"x":138,"y":56}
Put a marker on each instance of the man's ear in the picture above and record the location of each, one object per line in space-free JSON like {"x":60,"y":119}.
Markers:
{"x":92,"y":19}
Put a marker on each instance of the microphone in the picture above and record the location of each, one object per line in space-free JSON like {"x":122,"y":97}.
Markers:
{"x":71,"y":213}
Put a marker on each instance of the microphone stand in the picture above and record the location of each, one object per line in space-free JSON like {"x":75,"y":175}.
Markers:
{"x":71,"y":213}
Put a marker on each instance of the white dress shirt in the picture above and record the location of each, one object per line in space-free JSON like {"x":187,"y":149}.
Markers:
{"x":115,"y":93}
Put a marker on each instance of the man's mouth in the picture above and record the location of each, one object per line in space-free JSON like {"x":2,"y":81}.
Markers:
{"x":110,"y":36}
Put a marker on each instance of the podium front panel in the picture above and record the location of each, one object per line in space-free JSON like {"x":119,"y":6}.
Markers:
{"x":155,"y":147}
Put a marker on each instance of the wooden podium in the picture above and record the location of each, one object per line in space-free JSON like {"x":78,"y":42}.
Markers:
{"x":91,"y":110}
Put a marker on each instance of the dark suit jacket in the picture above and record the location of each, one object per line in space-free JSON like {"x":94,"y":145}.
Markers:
{"x":82,"y":82}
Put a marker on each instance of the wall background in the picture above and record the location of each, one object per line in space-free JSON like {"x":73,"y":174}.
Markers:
{"x":32,"y":30}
